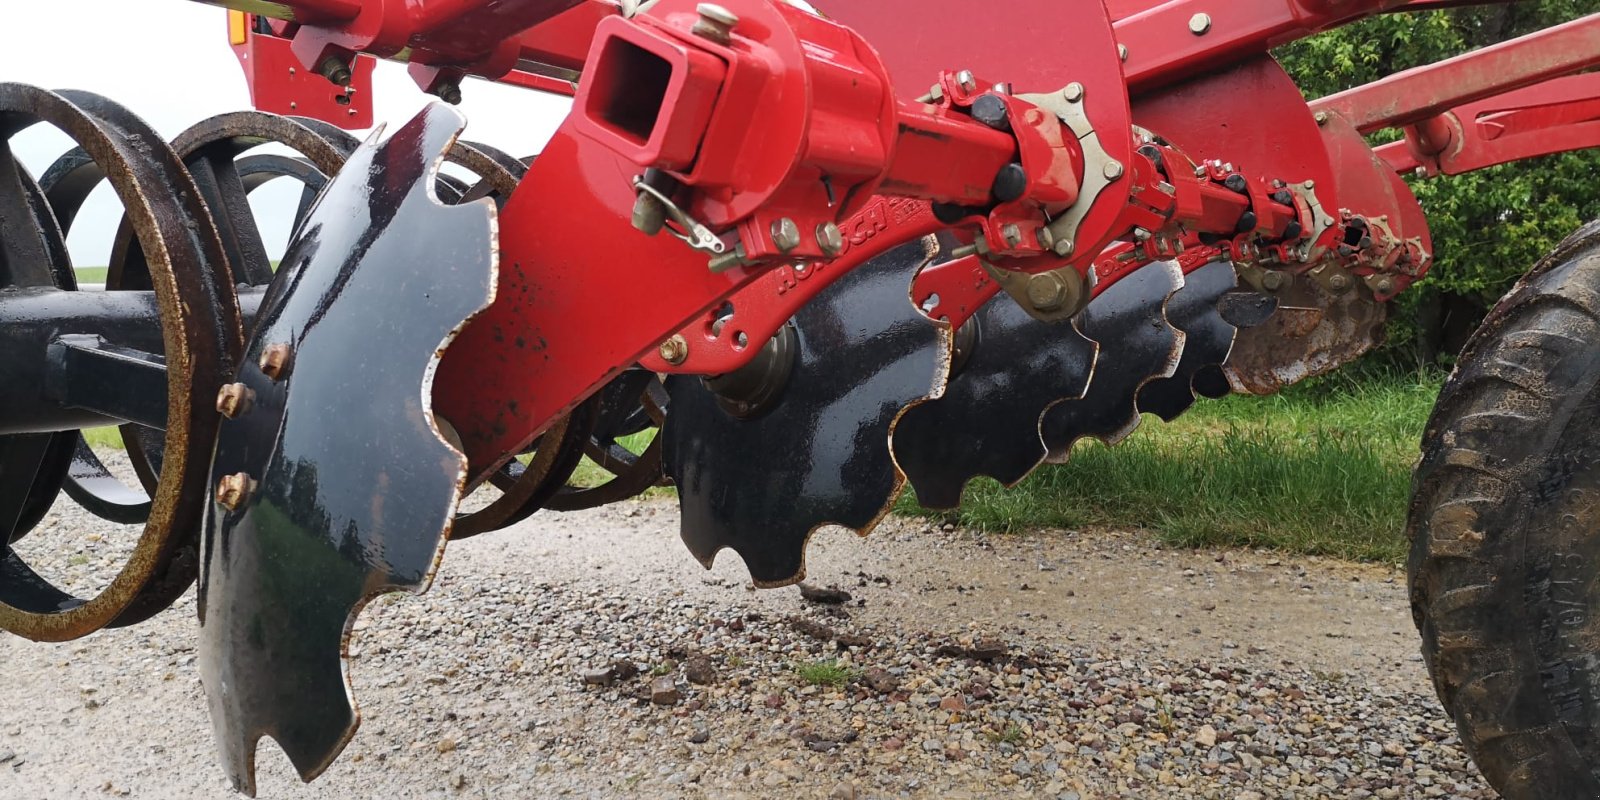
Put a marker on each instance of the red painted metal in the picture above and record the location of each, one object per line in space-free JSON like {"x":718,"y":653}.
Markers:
{"x":1418,"y":94}
{"x":795,"y":118}
{"x":281,"y":85}
{"x":833,"y":132}
{"x":766,"y":303}
{"x":581,"y":296}
{"x":1177,"y":40}
{"x":1556,"y":116}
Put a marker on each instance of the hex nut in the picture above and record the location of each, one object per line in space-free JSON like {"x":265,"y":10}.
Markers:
{"x":234,"y":490}
{"x":274,"y":362}
{"x":234,"y":400}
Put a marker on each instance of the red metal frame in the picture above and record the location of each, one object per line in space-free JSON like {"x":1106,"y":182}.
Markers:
{"x":764,"y":138}
{"x":1557,"y":116}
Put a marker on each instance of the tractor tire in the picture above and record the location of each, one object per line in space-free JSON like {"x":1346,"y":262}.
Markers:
{"x":1505,"y":534}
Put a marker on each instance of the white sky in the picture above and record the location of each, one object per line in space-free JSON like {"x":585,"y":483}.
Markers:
{"x":169,"y":62}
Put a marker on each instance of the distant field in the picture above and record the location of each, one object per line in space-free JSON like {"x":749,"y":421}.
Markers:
{"x":91,"y":274}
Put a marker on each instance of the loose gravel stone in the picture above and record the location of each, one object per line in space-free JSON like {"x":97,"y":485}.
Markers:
{"x":1084,"y":686}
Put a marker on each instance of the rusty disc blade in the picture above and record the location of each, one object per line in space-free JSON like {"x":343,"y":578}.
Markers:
{"x":818,"y":454}
{"x":338,"y":484}
{"x":1208,"y":338}
{"x":1137,"y":345}
{"x":1313,"y":332}
{"x":987,"y":422}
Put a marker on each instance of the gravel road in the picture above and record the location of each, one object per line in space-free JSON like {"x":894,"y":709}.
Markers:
{"x":1060,"y":665}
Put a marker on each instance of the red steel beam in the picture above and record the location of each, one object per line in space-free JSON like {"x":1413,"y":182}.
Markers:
{"x":1174,"y":41}
{"x":1417,"y":94}
{"x":1556,"y":116}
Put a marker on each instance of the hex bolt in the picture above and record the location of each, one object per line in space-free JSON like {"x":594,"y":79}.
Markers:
{"x":234,"y":490}
{"x":1309,"y":184}
{"x":785,"y":235}
{"x":1339,"y":282}
{"x":1200,"y":24}
{"x":1199,"y":170}
{"x":990,"y":110}
{"x":234,"y":400}
{"x":1001,"y":89}
{"x":335,"y":70}
{"x":675,"y":350}
{"x":830,"y":239}
{"x":1046,"y":237}
{"x":1420,"y":172}
{"x":1122,"y":52}
{"x":1385,"y":285}
{"x":448,"y":91}
{"x":1047,"y":292}
{"x":1012,"y":234}
{"x":967,"y":81}
{"x":1321,"y":117}
{"x":1073,"y":93}
{"x":1112,"y":170}
{"x":1010,"y":183}
{"x":1273,"y":281}
{"x":274,"y":362}
{"x":716,"y":23}
{"x":1063,"y":247}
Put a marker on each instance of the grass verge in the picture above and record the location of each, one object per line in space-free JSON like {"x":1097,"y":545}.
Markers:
{"x":1322,"y":469}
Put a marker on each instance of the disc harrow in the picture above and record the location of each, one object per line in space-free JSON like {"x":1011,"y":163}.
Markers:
{"x":780,"y":259}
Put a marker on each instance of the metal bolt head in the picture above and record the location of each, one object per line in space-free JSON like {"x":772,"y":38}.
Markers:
{"x":1339,"y":282}
{"x":1047,"y":292}
{"x":716,"y":23}
{"x":830,"y":239}
{"x":1001,"y":89}
{"x":234,"y":490}
{"x":675,"y":350}
{"x":1199,"y":170}
{"x":1063,"y":247}
{"x":1046,"y":237}
{"x":1385,"y":285}
{"x":234,"y":400}
{"x":335,"y":70}
{"x":1012,"y":234}
{"x":785,"y":235}
{"x":274,"y":362}
{"x":1309,"y":184}
{"x":1199,"y":24}
{"x":967,"y":81}
{"x":1122,"y":52}
{"x":1113,"y":170}
{"x":1073,"y":93}
{"x":1420,"y":172}
{"x":1321,"y":117}
{"x":1273,"y":281}
{"x":449,"y":91}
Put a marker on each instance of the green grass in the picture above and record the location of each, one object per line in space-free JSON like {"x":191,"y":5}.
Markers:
{"x":106,"y":438}
{"x":1322,"y":469}
{"x":91,"y":274}
{"x":825,"y":673}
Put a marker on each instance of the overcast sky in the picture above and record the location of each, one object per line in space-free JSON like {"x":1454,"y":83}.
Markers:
{"x":169,"y":62}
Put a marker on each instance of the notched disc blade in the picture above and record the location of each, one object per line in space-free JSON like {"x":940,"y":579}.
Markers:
{"x":987,"y":422}
{"x":1312,"y":332}
{"x":1208,"y":338}
{"x":1137,"y":345}
{"x":761,"y":485}
{"x":353,"y":485}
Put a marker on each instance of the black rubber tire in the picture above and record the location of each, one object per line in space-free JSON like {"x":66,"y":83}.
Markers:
{"x":1505,"y":534}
